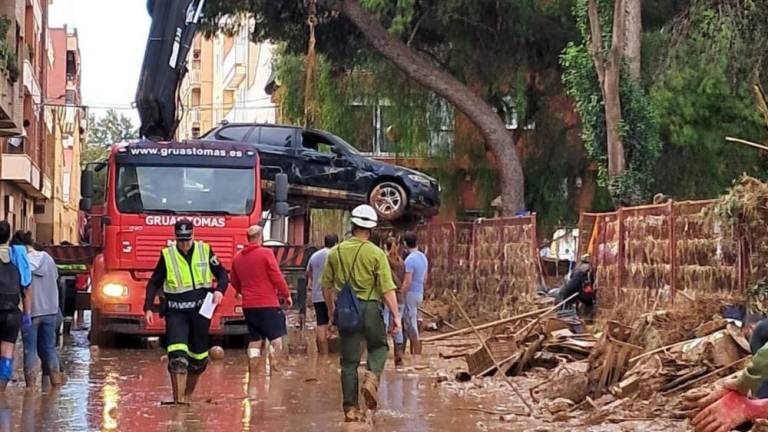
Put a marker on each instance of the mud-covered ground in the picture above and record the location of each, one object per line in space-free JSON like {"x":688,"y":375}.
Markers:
{"x":121,"y":390}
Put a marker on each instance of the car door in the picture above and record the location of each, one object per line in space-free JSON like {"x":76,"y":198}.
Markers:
{"x":276,"y":150}
{"x":323,"y":165}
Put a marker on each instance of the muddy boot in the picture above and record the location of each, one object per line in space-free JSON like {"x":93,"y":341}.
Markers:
{"x":179,"y":386}
{"x":3,"y":385}
{"x":370,"y":390}
{"x":322,"y":347}
{"x":415,"y":346}
{"x":58,"y":379}
{"x":192,"y":379}
{"x":399,"y":351}
{"x":30,"y":378}
{"x":351,"y":414}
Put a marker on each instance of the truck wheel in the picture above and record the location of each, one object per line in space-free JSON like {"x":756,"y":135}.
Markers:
{"x":389,"y":200}
{"x":97,"y":336}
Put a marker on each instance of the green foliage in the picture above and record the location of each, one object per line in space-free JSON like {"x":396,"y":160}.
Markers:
{"x":9,"y":62}
{"x":640,"y":122}
{"x":704,"y":94}
{"x":102,"y":133}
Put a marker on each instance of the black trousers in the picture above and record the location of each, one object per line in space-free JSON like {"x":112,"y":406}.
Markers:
{"x":186,"y":334}
{"x":10,"y":324}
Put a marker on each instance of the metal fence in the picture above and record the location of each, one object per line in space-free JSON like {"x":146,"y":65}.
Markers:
{"x":490,"y":264}
{"x":649,"y":253}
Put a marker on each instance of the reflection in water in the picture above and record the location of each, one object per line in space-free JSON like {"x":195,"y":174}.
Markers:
{"x":121,"y":390}
{"x":110,"y":395}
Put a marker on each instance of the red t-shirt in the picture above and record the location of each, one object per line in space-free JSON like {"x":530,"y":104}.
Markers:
{"x":256,"y":276}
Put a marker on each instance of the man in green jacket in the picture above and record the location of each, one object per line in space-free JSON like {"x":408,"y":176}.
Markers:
{"x":366,"y":267}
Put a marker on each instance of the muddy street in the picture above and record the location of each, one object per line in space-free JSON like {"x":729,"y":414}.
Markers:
{"x":122,"y":390}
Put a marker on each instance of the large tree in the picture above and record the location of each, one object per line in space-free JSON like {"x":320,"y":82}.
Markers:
{"x":446,"y":47}
{"x":101,"y":133}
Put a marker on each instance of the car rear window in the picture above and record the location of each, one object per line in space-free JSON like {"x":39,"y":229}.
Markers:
{"x":273,"y":136}
{"x":233,"y":133}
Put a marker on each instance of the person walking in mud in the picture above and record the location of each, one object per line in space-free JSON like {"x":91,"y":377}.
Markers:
{"x":185,"y":273}
{"x":257,"y":278}
{"x":359,"y":265}
{"x":40,"y":337}
{"x":412,"y":289}
{"x":314,"y":275}
{"x":397,"y":265}
{"x":11,"y":292}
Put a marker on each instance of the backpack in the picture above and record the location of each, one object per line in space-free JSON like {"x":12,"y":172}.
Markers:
{"x":346,"y":314}
{"x":10,"y":286}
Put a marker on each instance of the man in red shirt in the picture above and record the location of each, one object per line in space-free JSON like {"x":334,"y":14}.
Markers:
{"x":257,"y":278}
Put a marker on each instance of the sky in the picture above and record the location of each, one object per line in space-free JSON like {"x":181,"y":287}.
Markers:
{"x":113,"y":35}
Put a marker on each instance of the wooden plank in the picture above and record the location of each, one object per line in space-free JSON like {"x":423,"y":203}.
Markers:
{"x":483,"y":326}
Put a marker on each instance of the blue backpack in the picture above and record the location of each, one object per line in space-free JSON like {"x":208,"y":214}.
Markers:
{"x":346,"y":314}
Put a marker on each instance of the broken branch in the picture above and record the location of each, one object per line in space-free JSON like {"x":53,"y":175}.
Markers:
{"x":483,"y":326}
{"x":490,"y":354}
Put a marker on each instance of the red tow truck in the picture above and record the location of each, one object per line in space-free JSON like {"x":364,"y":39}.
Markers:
{"x":149,"y":185}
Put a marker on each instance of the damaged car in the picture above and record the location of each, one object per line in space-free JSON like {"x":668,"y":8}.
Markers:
{"x":325,"y":171}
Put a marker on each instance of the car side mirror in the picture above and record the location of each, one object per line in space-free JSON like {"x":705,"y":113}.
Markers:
{"x":85,"y":204}
{"x":86,"y":183}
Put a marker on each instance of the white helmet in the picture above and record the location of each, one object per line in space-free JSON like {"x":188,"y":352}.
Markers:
{"x":364,"y":216}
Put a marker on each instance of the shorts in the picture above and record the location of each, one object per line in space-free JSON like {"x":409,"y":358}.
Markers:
{"x":265,"y":323}
{"x":321,"y":314}
{"x":10,"y":325}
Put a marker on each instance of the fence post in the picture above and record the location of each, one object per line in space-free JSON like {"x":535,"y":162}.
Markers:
{"x":621,"y":234}
{"x":672,"y":249}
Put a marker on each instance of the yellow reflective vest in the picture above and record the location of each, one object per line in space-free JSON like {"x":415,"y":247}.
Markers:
{"x":179,"y":277}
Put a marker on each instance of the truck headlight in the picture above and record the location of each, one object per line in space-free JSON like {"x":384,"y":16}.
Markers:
{"x":114,"y":290}
{"x":420,"y":179}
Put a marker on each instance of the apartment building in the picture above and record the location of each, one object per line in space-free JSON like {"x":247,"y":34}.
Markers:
{"x":25,"y":162}
{"x":226,"y":81}
{"x":65,"y":126}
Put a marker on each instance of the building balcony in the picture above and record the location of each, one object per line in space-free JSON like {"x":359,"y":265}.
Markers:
{"x":194,"y":115}
{"x":31,"y":86}
{"x":10,"y":110}
{"x":235,"y":65}
{"x":194,"y":78}
{"x":19,"y":169}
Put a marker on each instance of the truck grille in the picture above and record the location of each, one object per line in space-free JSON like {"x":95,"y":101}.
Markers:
{"x":148,"y":247}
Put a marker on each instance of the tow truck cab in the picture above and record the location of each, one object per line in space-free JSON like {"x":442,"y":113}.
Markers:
{"x":148,"y":186}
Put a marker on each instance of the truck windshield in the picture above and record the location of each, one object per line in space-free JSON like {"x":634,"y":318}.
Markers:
{"x":169,"y":189}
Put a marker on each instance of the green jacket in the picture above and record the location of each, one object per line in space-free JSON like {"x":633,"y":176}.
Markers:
{"x":371,"y":275}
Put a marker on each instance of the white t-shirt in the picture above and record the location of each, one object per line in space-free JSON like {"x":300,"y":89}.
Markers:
{"x":315,"y":267}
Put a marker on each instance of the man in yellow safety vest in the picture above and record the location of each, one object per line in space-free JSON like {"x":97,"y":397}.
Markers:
{"x":185,"y":272}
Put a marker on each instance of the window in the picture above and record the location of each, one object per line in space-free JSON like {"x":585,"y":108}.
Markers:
{"x":179,"y":190}
{"x":318,"y":143}
{"x":273,"y":136}
{"x":362,"y":119}
{"x":233,"y":133}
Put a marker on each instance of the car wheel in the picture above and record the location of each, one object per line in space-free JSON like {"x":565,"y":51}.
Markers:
{"x":389,"y":200}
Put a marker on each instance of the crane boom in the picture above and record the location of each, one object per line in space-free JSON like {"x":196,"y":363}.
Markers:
{"x":174,"y":25}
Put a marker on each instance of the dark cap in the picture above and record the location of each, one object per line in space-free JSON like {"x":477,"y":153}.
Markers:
{"x":183,"y":229}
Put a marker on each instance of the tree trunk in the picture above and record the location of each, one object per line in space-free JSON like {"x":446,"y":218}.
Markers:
{"x":608,"y":73}
{"x":415,"y":67}
{"x":634,"y":37}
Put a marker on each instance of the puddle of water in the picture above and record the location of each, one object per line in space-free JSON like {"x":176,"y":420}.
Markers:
{"x":121,"y":390}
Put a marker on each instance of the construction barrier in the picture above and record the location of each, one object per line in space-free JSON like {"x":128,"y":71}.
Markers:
{"x":646,"y":255}
{"x":490,"y":264}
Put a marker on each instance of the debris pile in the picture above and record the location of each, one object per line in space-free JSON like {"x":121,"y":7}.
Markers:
{"x":743,"y":211}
